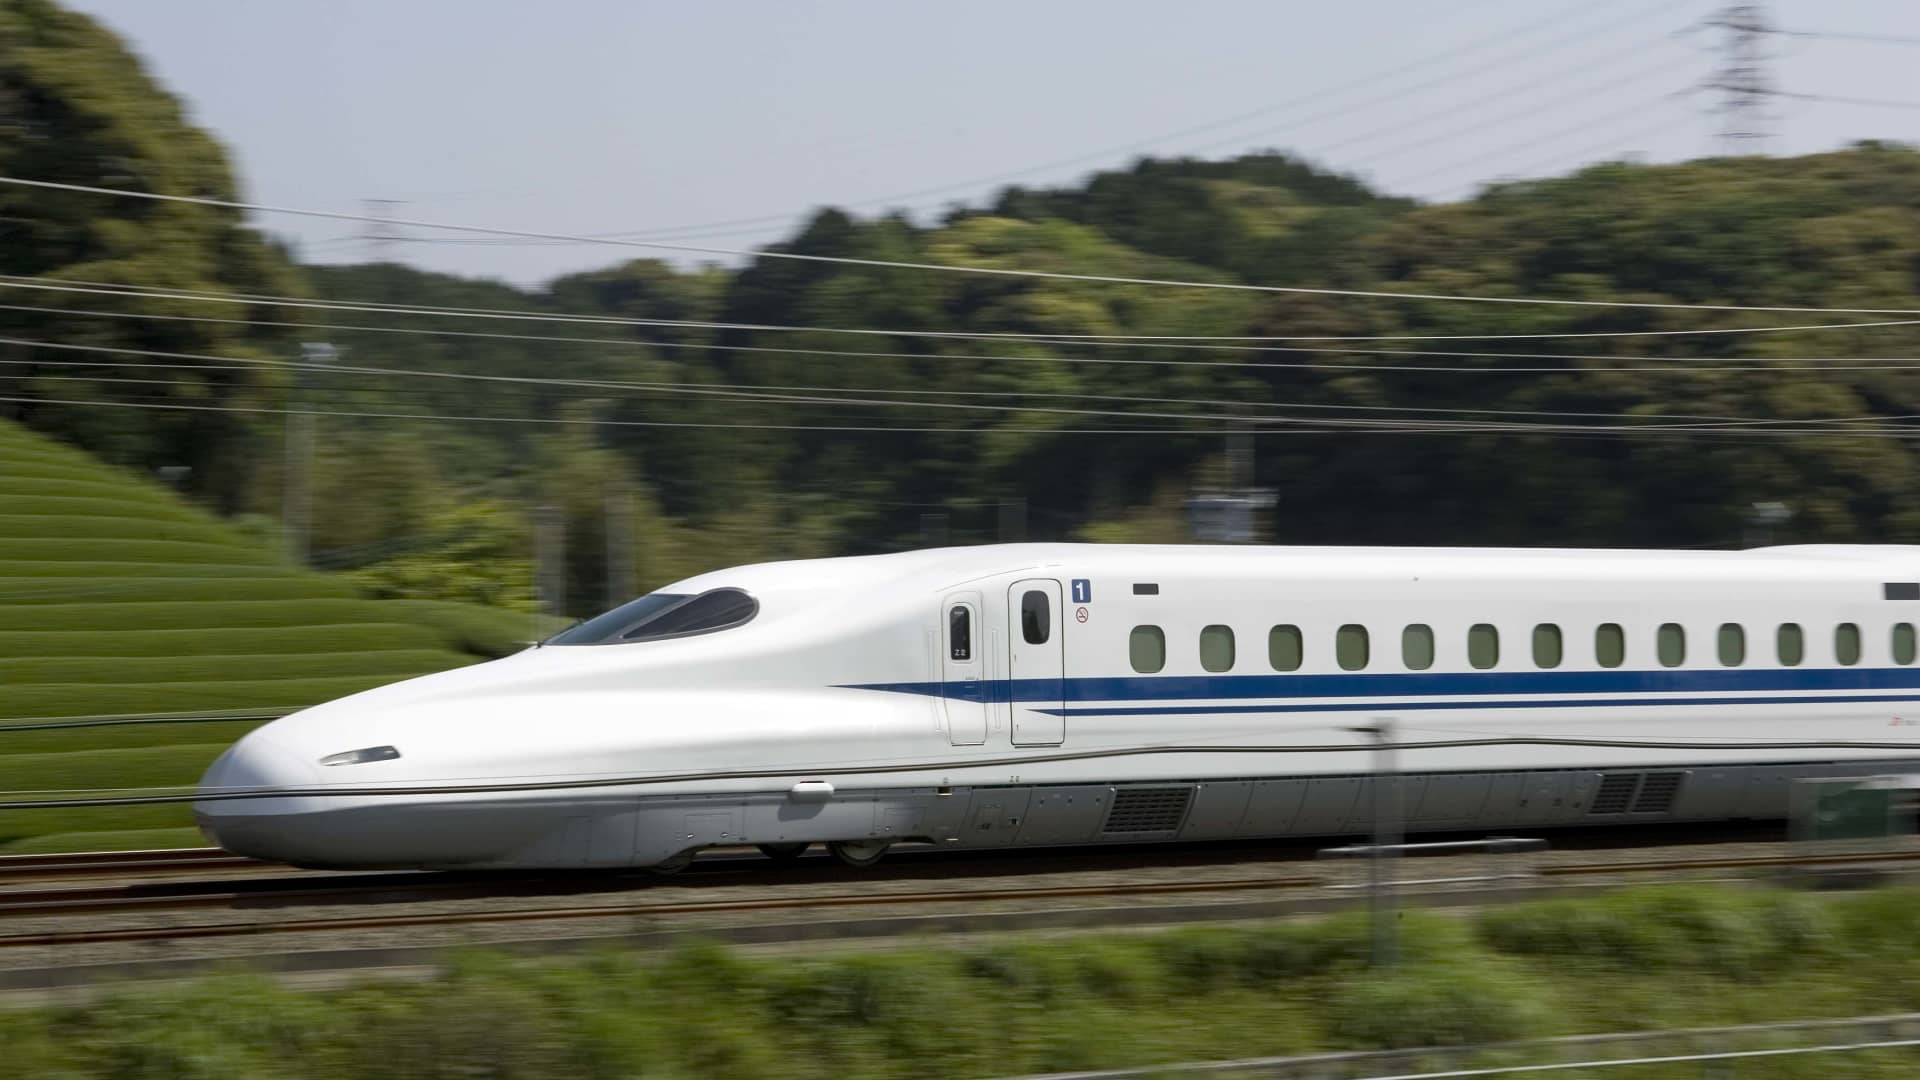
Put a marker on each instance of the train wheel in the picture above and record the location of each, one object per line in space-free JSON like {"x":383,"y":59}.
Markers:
{"x":673,"y":865}
{"x":859,"y":853}
{"x":783,"y":852}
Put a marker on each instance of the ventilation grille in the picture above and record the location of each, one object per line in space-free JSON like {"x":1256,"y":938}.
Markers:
{"x":1147,"y":810}
{"x":1615,"y":794}
{"x":1657,"y":793}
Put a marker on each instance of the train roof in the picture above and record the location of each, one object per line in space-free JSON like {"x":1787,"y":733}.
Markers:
{"x":954,"y":566}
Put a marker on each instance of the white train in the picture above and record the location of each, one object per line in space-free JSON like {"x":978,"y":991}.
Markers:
{"x":1069,"y":694}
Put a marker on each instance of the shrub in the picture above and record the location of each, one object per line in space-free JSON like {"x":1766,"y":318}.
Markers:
{"x":1726,"y":933}
{"x":1453,"y":1003}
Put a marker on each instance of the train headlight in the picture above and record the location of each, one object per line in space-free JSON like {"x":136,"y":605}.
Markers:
{"x":361,"y":756}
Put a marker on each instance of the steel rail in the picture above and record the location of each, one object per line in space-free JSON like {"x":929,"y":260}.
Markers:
{"x":628,"y":911}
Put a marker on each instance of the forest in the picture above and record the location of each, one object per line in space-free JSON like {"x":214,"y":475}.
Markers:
{"x":803,"y":408}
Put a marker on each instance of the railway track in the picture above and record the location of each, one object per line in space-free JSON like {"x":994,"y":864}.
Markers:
{"x":83,"y":917}
{"x":277,"y":903}
{"x":122,"y":863}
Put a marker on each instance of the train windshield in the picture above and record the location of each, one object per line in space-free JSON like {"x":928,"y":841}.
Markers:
{"x":663,"y":615}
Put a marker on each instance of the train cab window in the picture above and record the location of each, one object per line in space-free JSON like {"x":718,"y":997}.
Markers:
{"x":1285,"y":649}
{"x":1609,"y":645}
{"x":960,"y":632}
{"x":664,"y":615}
{"x":1671,"y":644}
{"x":1416,"y":647}
{"x":1147,"y":649}
{"x":1791,"y":644}
{"x":1904,"y":645}
{"x":1036,"y":617}
{"x":1732,"y":644}
{"x":1846,"y":643}
{"x":1216,"y":648}
{"x":1547,"y":645}
{"x":1483,"y":645}
{"x":1350,"y":646}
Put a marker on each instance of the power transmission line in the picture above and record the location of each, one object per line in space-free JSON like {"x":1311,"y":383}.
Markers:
{"x":1590,"y":153}
{"x":1833,"y":35}
{"x":1365,"y":82}
{"x":1835,"y":99}
{"x":990,"y":271}
{"x":1637,"y":108}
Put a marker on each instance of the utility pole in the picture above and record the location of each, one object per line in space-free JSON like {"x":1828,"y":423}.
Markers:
{"x":379,"y":234}
{"x":296,"y":488}
{"x":1387,"y":815}
{"x":1013,"y":519}
{"x":550,"y":559}
{"x":1742,"y":79}
{"x":619,"y":543}
{"x":1231,"y":513}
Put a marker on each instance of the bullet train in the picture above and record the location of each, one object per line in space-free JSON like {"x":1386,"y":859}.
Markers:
{"x":1057,"y":694}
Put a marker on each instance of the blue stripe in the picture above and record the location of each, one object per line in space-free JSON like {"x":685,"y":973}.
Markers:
{"x":1505,"y":703}
{"x":1413,"y":684}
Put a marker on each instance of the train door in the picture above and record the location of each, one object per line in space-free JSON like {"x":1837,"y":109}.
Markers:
{"x":1037,"y":662}
{"x":962,"y":670}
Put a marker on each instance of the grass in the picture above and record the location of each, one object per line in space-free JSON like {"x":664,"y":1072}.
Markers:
{"x":55,"y":590}
{"x":223,"y":641}
{"x":250,"y":667}
{"x":106,"y":614}
{"x":267,"y":695}
{"x":1039,"y":1005}
{"x":108,"y":840}
{"x":118,"y":597}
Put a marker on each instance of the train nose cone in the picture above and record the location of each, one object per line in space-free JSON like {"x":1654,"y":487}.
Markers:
{"x":257,"y":826}
{"x":257,"y":761}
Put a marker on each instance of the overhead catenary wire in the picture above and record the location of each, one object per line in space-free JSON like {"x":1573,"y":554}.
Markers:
{"x":1238,"y":425}
{"x":761,"y":391}
{"x":990,"y":271}
{"x":61,"y":285}
{"x":1613,"y":361}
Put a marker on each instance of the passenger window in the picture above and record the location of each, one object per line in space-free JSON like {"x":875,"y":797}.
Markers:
{"x":1216,"y":648}
{"x":1416,"y":647}
{"x":960,"y":633}
{"x":1483,"y":645}
{"x":1846,"y":643}
{"x":1147,"y":649}
{"x":1284,"y":648}
{"x":1672,"y":644}
{"x":1036,"y":617}
{"x":1733,"y":645}
{"x":1903,"y":643}
{"x":1609,"y":645}
{"x":1350,"y":647}
{"x":1547,"y":646}
{"x":1791,"y":644}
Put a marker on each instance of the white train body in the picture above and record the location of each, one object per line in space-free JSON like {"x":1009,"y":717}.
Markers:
{"x":852,"y":704}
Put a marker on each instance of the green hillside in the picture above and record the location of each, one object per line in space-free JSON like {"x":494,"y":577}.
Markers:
{"x":118,"y":598}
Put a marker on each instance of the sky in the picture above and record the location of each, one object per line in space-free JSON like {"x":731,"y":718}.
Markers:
{"x":722,"y":124}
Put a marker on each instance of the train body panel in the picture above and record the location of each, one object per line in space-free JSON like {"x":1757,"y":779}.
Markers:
{"x":1059,"y":694}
